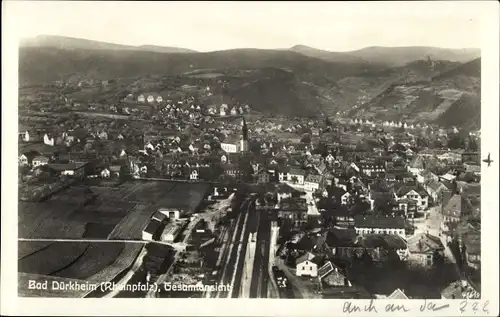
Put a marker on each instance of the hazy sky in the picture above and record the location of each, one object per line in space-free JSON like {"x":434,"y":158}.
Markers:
{"x":208,"y":26}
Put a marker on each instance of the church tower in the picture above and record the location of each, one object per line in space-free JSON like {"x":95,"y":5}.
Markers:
{"x":244,"y":136}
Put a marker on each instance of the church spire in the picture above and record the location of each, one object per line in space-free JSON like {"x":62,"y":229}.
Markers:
{"x":244,"y":135}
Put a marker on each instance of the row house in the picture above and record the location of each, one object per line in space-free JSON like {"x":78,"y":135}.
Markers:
{"x":150,"y":98}
{"x":367,"y":224}
{"x":293,"y":175}
{"x":370,"y":168}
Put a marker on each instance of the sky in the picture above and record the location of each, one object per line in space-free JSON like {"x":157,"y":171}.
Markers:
{"x":209,"y":26}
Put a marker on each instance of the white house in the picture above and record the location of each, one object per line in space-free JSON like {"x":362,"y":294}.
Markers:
{"x":105,"y":173}
{"x":305,"y":266}
{"x":23,"y":160}
{"x":229,"y":148}
{"x":159,"y":99}
{"x":223,"y":159}
{"x":48,"y":140}
{"x":346,"y":198}
{"x":151,"y":99}
{"x":420,"y":196}
{"x":40,"y":160}
{"x":141,"y":98}
{"x":329,"y":158}
{"x":26,"y":136}
{"x":194,"y":175}
{"x":233,"y":111}
{"x":171,"y":213}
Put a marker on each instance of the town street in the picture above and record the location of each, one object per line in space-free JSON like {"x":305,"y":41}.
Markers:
{"x":432,"y":225}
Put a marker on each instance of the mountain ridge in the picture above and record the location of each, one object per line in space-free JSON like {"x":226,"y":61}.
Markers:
{"x":383,"y":55}
{"x":66,"y":42}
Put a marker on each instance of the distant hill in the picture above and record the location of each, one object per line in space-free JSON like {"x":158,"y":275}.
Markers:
{"x":46,"y":64}
{"x":71,"y":43}
{"x":449,"y":94}
{"x":391,"y":56}
{"x":326,"y":55}
{"x":399,"y":56}
{"x":472,"y":69}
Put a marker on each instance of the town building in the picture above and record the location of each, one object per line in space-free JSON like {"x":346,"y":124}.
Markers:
{"x":305,"y":266}
{"x":409,"y":192}
{"x":70,"y":169}
{"x":423,"y":248}
{"x":40,"y":160}
{"x":152,"y":231}
{"x":379,"y":224}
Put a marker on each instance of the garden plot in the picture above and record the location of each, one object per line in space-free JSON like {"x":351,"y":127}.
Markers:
{"x":33,"y":217}
{"x":131,"y":226}
{"x":53,"y":258}
{"x":96,"y":257}
{"x":150,"y":191}
{"x":184,"y":196}
{"x":121,"y":263}
{"x":26,"y":248}
{"x":59,"y":228}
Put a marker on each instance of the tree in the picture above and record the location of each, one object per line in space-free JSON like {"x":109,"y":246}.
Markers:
{"x":125,"y":173}
{"x":306,"y":138}
{"x":473,"y":146}
{"x":456,"y":142}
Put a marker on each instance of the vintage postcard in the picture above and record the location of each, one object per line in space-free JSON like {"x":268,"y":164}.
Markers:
{"x":234,"y":158}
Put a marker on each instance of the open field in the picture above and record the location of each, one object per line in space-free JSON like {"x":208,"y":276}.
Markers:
{"x":122,"y":262}
{"x":185,"y":196}
{"x":97,"y":256}
{"x":53,"y":258}
{"x":99,"y":212}
{"x":94,"y":262}
{"x":26,"y":248}
{"x":149,"y":192}
{"x":101,"y":114}
{"x":32,"y":217}
{"x":131,"y":226}
{"x":59,"y":227}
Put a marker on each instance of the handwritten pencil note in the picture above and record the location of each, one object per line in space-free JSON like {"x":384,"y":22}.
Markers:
{"x":425,"y":306}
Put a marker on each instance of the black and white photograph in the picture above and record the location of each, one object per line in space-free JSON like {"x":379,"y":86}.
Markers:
{"x":261,"y":150}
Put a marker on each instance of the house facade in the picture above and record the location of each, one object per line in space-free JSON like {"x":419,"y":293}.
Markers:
{"x":305,"y":266}
{"x":229,"y":148}
{"x":40,"y":160}
{"x":423,"y":249}
{"x":380,"y":225}
{"x":420,"y":196}
{"x":312,"y":183}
